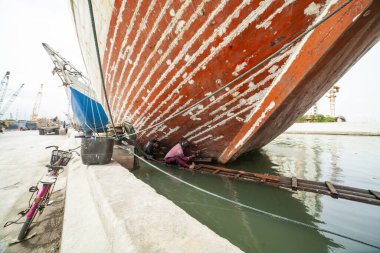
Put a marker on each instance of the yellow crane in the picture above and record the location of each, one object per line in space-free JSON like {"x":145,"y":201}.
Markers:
{"x":37,"y":104}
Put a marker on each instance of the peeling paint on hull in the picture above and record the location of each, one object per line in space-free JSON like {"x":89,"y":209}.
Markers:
{"x":160,"y":56}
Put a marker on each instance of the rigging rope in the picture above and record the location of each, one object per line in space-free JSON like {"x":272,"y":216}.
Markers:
{"x":92,"y":110}
{"x":254,"y":209}
{"x":100,"y":65}
{"x":100,"y":116}
{"x":207,"y":97}
{"x":286,"y":46}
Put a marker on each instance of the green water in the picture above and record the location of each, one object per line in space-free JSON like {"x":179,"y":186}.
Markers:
{"x":347,"y":160}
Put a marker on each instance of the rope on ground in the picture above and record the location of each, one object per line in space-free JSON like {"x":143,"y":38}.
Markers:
{"x":255,"y":209}
{"x":207,"y":97}
{"x":284,"y":47}
{"x":212,"y":94}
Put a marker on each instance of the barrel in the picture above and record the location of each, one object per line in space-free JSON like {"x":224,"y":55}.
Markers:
{"x":96,"y":150}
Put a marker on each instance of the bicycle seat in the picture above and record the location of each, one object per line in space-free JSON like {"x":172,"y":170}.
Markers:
{"x":54,"y":167}
{"x":48,"y":179}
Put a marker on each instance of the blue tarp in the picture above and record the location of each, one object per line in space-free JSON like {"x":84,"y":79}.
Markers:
{"x":89,"y":112}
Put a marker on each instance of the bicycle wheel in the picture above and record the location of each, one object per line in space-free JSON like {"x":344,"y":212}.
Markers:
{"x":42,"y":194}
{"x":24,"y":229}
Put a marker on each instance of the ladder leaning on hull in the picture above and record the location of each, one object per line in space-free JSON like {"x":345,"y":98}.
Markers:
{"x":326,"y":188}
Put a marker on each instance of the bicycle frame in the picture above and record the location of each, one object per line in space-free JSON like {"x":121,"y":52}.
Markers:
{"x":58,"y":161}
{"x":40,"y":196}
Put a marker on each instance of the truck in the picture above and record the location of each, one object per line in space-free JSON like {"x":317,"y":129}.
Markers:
{"x":48,"y":130}
{"x":47,"y":126}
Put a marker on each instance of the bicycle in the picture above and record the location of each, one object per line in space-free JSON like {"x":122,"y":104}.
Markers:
{"x":59,"y":159}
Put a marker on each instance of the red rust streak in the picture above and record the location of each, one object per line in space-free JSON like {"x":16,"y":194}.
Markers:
{"x":111,"y":31}
{"x":120,"y":37}
{"x":317,"y":62}
{"x":135,"y":34}
{"x":156,"y":37}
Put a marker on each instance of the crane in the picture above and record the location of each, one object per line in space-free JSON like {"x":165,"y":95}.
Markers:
{"x":331,"y":96}
{"x":37,"y":104}
{"x":3,"y":87}
{"x":4,"y":109}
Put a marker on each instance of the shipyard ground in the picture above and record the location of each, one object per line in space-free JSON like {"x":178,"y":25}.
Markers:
{"x":106,"y":209}
{"x":22,"y":163}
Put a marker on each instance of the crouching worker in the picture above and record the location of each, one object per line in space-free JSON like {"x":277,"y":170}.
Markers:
{"x":180,"y":154}
{"x":151,"y":149}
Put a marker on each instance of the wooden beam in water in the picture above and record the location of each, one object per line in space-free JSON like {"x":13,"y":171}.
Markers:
{"x":326,"y":188}
{"x":294,"y":184}
{"x":203,"y":159}
{"x":332,"y":189}
{"x":375,"y":193}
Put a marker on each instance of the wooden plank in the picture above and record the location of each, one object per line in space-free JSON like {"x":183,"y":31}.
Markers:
{"x":294,"y":184}
{"x":326,"y":188}
{"x":332,"y":189}
{"x":265,"y":177}
{"x":375,"y":193}
{"x":203,"y":159}
{"x":196,"y":167}
{"x":257,"y":175}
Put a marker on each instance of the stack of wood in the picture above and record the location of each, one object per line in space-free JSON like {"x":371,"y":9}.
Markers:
{"x":118,"y":129}
{"x":45,"y":122}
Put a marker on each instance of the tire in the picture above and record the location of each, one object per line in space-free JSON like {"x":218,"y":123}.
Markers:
{"x":24,"y":229}
{"x":28,"y":221}
{"x":56,"y":131}
{"x":41,"y":132}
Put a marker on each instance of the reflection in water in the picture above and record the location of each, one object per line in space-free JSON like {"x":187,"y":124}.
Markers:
{"x":304,"y":163}
{"x":310,"y":157}
{"x":250,"y":231}
{"x":335,"y":169}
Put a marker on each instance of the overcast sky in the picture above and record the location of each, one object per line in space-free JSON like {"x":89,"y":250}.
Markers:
{"x":25,"y":24}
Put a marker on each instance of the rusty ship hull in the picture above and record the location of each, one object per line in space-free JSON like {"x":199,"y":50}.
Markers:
{"x":159,"y":57}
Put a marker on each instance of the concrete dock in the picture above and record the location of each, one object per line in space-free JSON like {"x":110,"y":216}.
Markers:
{"x":336,"y":128}
{"x":22,"y":163}
{"x":107,"y":209}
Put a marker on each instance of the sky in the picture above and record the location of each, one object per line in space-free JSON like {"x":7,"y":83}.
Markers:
{"x":25,"y":24}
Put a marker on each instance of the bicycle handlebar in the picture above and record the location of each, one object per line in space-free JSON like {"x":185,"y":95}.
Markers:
{"x":74,"y":148}
{"x":73,"y":151}
{"x":70,"y":150}
{"x":56,"y":147}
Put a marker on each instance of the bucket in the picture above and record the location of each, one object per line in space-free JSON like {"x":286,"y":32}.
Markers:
{"x":96,"y":151}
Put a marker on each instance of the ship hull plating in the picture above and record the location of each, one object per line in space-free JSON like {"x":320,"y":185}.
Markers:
{"x":159,"y":57}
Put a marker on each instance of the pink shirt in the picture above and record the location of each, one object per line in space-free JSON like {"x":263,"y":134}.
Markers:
{"x":177,"y":151}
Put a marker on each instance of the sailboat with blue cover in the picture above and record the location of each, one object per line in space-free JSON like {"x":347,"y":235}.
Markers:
{"x":87,"y":110}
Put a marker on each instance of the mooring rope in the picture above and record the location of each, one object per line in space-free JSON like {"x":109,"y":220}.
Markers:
{"x":284,"y":47}
{"x":255,"y":209}
{"x":100,"y":65}
{"x":209,"y":96}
